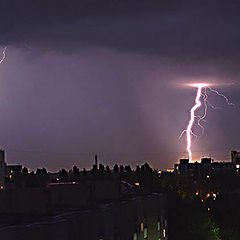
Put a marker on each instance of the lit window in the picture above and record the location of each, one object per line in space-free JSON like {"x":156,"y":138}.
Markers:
{"x":135,"y":236}
{"x":145,"y":233}
{"x":137,"y":184}
{"x":158,"y":226}
{"x":11,"y":171}
{"x":237,"y":166}
{"x":141,"y":227}
{"x":164,"y":233}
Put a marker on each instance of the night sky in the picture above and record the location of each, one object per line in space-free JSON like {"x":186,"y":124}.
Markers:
{"x":104,"y":76}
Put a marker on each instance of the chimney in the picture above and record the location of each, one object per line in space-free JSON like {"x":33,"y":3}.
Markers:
{"x":96,"y":161}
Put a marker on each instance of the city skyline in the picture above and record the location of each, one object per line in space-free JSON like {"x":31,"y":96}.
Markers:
{"x":119,"y":120}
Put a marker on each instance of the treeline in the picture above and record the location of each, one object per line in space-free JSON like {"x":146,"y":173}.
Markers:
{"x":144,"y":176}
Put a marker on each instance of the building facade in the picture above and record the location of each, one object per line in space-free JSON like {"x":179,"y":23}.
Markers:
{"x":204,"y":168}
{"x":136,"y":218}
{"x":2,"y":169}
{"x":235,"y":157}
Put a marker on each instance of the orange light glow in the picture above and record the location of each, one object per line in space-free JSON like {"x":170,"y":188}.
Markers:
{"x":164,"y":233}
{"x":137,"y":184}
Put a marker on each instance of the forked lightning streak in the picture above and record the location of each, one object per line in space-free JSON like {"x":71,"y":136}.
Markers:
{"x":201,"y":93}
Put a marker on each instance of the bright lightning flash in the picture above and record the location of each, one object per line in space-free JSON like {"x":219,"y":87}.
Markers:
{"x":201,"y":92}
{"x":3,"y":55}
{"x":192,"y":116}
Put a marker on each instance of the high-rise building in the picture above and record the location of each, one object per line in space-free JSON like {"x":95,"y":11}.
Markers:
{"x":235,"y":156}
{"x":2,"y":169}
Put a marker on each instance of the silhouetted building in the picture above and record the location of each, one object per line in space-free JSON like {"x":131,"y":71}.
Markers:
{"x":206,"y":160}
{"x":184,"y":167}
{"x":184,"y":161}
{"x":2,"y":169}
{"x":204,"y":168}
{"x":221,"y":166}
{"x":235,"y":157}
{"x":95,"y":165}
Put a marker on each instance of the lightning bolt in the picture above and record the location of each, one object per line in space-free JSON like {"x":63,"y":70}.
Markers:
{"x":3,"y":55}
{"x":221,"y":95}
{"x":201,"y":93}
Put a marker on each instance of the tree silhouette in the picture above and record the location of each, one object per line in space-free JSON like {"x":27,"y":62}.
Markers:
{"x":63,"y":175}
{"x":128,"y":169}
{"x":25,"y":171}
{"x":115,"y":168}
{"x":101,"y":167}
{"x":121,"y":168}
{"x":75,"y":170}
{"x":108,"y":169}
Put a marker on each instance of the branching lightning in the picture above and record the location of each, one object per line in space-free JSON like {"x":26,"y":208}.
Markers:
{"x":3,"y":55}
{"x":201,"y":99}
{"x":221,"y":95}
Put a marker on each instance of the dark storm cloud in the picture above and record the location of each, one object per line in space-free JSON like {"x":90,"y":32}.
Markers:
{"x":172,"y":28}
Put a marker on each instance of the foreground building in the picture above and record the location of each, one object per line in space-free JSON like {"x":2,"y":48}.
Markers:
{"x":95,"y":206}
{"x":135,"y":218}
